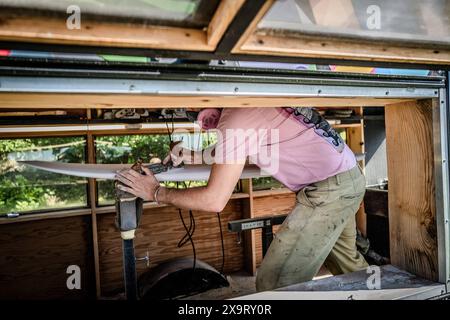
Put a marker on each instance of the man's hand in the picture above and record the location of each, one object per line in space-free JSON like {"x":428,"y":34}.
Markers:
{"x":142,"y":186}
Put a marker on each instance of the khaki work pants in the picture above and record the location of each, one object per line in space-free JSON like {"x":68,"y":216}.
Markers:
{"x":321,"y":228}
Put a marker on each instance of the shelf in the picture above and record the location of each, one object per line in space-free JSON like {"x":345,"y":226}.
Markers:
{"x":274,"y":192}
{"x":348,"y":125}
{"x":46,"y":215}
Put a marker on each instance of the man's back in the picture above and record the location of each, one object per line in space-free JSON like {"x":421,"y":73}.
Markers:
{"x":300,"y":153}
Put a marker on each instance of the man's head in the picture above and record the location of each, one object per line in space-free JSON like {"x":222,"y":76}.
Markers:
{"x":209,"y":118}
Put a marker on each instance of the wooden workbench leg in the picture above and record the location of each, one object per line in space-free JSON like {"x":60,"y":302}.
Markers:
{"x":355,"y":140}
{"x":412,"y":210}
{"x":249,"y":236}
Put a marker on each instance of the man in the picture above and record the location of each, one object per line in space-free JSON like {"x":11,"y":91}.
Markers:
{"x":311,"y":159}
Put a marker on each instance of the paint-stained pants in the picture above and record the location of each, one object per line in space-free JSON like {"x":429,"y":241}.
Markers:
{"x":321,"y":228}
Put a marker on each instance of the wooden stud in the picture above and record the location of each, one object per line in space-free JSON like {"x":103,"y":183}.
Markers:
{"x":252,"y":27}
{"x":93,"y":203}
{"x":355,"y":137}
{"x":412,"y":207}
{"x":249,"y":237}
{"x":221,"y":20}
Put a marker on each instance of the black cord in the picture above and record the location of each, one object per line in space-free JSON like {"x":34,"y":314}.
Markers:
{"x":168,"y":132}
{"x":191,"y":231}
{"x":189,"y":234}
{"x":221,"y":240}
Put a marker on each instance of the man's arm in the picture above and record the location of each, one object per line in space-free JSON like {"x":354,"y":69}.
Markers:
{"x":211,"y":198}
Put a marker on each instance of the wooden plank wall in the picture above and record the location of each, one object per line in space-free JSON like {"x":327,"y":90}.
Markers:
{"x":34,"y":257}
{"x":159,"y":233}
{"x":412,"y":210}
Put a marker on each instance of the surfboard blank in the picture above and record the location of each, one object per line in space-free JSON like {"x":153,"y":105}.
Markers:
{"x":108,"y":171}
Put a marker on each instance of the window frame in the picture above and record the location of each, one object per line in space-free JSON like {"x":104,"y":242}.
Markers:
{"x":44,"y":135}
{"x":52,"y":30}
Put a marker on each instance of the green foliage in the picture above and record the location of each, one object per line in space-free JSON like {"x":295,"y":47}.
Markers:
{"x":128,"y":149}
{"x":25,"y":189}
{"x":266,"y":183}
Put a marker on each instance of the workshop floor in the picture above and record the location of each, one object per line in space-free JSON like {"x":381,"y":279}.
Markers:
{"x":241,"y":284}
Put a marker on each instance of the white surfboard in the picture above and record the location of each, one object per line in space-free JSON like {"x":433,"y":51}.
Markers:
{"x":108,"y":171}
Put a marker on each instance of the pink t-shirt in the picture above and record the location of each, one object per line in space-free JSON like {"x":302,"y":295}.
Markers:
{"x":284,"y":142}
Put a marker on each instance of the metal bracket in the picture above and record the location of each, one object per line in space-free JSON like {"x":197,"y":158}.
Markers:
{"x":264,"y":223}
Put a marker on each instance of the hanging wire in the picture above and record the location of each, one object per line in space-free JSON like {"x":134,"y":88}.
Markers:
{"x":169,"y":132}
{"x":189,"y":232}
{"x":188,"y":235}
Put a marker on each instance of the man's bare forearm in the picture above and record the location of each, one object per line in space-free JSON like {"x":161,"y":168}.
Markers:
{"x":197,"y":198}
{"x":211,"y":198}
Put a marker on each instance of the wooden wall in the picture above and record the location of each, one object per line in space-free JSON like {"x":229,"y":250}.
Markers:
{"x":159,"y":233}
{"x":34,"y":257}
{"x":412,"y":208}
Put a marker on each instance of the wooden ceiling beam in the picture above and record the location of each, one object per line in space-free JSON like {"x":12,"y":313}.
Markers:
{"x":114,"y":101}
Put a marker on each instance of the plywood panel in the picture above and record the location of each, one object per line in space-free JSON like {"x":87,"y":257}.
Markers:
{"x":159,"y":233}
{"x":34,"y":257}
{"x":274,"y":204}
{"x":412,"y":211}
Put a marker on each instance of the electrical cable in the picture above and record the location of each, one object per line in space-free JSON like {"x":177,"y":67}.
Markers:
{"x":169,"y":133}
{"x":191,"y":231}
{"x":189,"y":234}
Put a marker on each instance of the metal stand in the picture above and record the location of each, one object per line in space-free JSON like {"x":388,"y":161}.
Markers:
{"x":129,"y":269}
{"x":129,"y":211}
{"x":263,"y":223}
{"x":128,"y":215}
